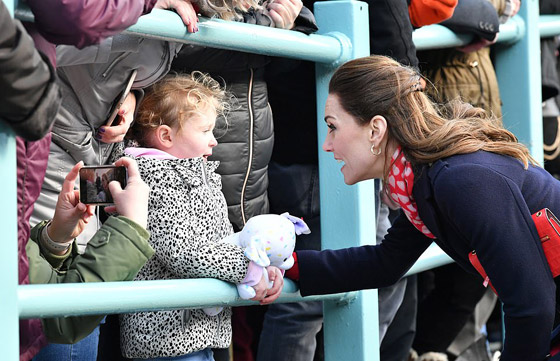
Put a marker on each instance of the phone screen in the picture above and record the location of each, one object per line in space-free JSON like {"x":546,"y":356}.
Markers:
{"x":120,"y":99}
{"x":94,"y":183}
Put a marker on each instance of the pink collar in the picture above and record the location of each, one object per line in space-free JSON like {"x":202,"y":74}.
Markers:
{"x":148,"y":153}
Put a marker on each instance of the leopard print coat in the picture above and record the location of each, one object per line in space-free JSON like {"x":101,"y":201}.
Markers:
{"x":187,"y":218}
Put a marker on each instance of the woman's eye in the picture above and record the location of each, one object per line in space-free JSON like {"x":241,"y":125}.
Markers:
{"x":331,"y":127}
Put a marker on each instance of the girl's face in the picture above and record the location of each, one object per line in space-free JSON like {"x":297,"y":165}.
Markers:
{"x":195,"y":138}
{"x":350,"y":143}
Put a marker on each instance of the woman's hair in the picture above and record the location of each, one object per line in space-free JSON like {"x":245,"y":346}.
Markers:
{"x":378,"y":85}
{"x":174,"y":100}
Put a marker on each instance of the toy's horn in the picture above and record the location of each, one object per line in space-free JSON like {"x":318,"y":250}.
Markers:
{"x":299,"y":224}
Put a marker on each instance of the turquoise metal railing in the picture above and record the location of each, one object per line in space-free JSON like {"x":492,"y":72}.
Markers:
{"x":347,"y":212}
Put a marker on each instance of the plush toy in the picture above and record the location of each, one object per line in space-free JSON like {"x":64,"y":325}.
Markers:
{"x":268,"y":240}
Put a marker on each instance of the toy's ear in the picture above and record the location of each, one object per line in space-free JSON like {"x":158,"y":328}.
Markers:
{"x":299,"y":224}
{"x":257,"y":255}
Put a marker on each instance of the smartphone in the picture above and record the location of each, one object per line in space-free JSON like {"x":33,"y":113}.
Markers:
{"x":94,"y":183}
{"x":120,"y":99}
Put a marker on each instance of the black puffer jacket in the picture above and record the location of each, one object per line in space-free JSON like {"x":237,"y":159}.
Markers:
{"x":246,"y":138}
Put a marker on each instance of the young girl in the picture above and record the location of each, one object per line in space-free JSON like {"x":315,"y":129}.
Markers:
{"x":187,"y":219}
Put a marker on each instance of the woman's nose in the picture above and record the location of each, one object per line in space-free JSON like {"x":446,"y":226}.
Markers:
{"x":327,"y":147}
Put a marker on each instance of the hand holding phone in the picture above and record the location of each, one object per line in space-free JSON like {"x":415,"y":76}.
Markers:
{"x":132,"y":201}
{"x":71,"y":215}
{"x":94,"y":183}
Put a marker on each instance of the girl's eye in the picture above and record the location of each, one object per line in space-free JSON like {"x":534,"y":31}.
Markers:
{"x":331,"y":127}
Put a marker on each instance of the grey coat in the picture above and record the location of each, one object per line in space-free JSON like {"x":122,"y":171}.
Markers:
{"x":90,"y":80}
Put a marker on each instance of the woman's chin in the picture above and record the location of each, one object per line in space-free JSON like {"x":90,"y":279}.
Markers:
{"x":348,"y":180}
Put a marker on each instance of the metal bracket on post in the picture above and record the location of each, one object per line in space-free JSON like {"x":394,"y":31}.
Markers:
{"x":345,"y":49}
{"x":351,"y":329}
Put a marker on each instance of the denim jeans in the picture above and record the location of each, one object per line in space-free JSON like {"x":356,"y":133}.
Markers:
{"x":83,"y":350}
{"x":289,"y":331}
{"x":202,"y":355}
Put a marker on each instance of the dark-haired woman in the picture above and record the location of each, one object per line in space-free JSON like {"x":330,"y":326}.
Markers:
{"x":461,"y":180}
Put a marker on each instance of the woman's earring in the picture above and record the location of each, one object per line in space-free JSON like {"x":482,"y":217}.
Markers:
{"x":372,"y":150}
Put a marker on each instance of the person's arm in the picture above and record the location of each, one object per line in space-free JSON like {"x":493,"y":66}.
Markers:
{"x":29,"y":95}
{"x":477,"y":17}
{"x":85,"y":22}
{"x":489,"y":212}
{"x":365,"y":267}
{"x":115,"y":253}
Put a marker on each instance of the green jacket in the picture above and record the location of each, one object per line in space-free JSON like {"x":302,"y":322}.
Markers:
{"x":115,"y":253}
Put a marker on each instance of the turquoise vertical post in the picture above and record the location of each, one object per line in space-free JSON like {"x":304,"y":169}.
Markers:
{"x":9,"y":332}
{"x":518,"y":69}
{"x":351,"y":330}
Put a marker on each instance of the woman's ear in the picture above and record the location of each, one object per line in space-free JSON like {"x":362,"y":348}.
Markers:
{"x":163,"y":137}
{"x":377,"y":128}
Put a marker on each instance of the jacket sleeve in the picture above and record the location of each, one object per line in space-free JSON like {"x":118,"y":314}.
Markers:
{"x":490,"y":213}
{"x":81,"y":23}
{"x":116,"y":253}
{"x":29,"y":95}
{"x":477,"y":17}
{"x":365,"y":267}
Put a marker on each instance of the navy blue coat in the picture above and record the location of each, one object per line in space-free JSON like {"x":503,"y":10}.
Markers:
{"x":479,"y":201}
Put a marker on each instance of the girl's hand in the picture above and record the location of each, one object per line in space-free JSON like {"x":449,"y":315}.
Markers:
{"x":185,"y":10}
{"x":131,"y":202}
{"x":70,"y":215}
{"x":284,"y":12}
{"x":125,"y":117}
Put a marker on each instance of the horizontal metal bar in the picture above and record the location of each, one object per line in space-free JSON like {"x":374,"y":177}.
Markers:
{"x":431,"y":258}
{"x":241,"y":37}
{"x":123,"y":297}
{"x":438,"y":36}
{"x":549,"y":25}
{"x":216,"y":33}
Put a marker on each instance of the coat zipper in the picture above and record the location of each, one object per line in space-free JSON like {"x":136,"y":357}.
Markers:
{"x":184,"y":320}
{"x":204,"y":173}
{"x":251,"y":130}
{"x":113,"y":64}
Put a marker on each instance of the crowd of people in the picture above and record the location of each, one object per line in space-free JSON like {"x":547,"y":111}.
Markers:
{"x":207,"y":138}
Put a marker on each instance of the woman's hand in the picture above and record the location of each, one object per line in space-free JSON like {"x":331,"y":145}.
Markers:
{"x":268,"y":295}
{"x":70,"y":215}
{"x":132,"y":201}
{"x":125,"y":117}
{"x":185,"y":10}
{"x":284,"y":12}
